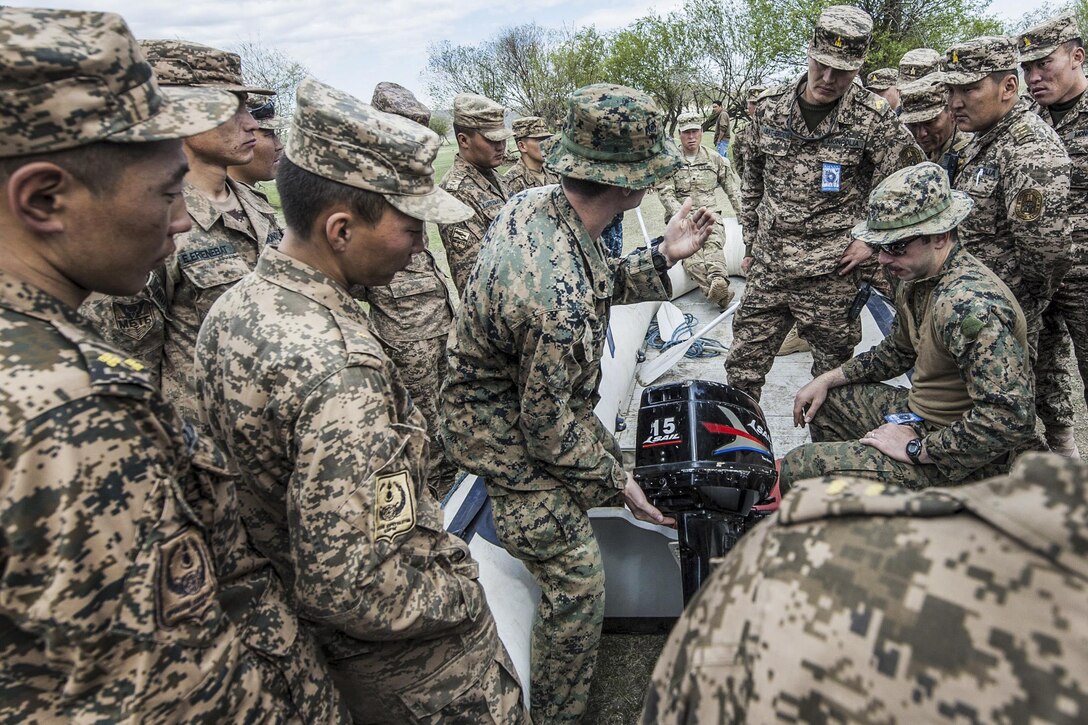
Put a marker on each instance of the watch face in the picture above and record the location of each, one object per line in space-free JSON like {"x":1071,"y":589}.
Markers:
{"x":914,"y":448}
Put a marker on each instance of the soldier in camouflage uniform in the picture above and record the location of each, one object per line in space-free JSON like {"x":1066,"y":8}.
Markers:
{"x":745,"y":136}
{"x":823,"y":143}
{"x":919,"y":63}
{"x":333,"y":453}
{"x":961,"y":330}
{"x":529,"y":171}
{"x":525,"y":364}
{"x":481,"y":143}
{"x":1052,"y":57}
{"x":412,"y":315}
{"x":268,"y":149}
{"x":129,"y":592}
{"x":860,"y":602}
{"x":699,"y":178}
{"x":885,"y":83}
{"x":930,"y":121}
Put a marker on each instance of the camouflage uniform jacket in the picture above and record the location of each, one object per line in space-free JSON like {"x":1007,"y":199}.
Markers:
{"x":1017,"y":173}
{"x":486,"y":196}
{"x":786,"y":215}
{"x":698,"y":178}
{"x":120,"y":542}
{"x":519,"y":178}
{"x":743,"y":139}
{"x":965,"y":336}
{"x":415,"y":305}
{"x":524,"y":356}
{"x":950,"y":156}
{"x":333,"y":457}
{"x":863,"y":602}
{"x":1073,"y":132}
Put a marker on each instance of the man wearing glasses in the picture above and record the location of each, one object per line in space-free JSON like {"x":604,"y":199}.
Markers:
{"x":269,"y":148}
{"x":957,"y":324}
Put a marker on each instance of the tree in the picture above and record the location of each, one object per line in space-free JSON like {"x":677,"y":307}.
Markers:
{"x":441,"y":125}
{"x":453,"y":69}
{"x":269,"y":67}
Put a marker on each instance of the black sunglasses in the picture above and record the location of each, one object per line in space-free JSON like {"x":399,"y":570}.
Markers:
{"x":895,"y":249}
{"x":264,"y":112}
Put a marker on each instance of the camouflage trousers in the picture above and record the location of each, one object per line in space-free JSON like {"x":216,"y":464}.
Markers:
{"x":421,"y":365}
{"x":551,"y":534}
{"x":709,"y":262}
{"x":769,"y":308}
{"x":465,"y":677}
{"x":849,"y":413}
{"x":1065,"y":319}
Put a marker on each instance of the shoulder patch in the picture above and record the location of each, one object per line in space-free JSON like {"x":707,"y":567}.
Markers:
{"x":394,"y":506}
{"x":186,"y":582}
{"x":909,"y":156}
{"x":970,"y":326}
{"x":1027,"y":206}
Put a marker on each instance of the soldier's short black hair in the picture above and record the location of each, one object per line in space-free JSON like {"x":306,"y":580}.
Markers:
{"x":305,"y":195}
{"x":1000,"y":75}
{"x":718,"y":102}
{"x":1071,"y":45}
{"x":470,"y":132}
{"x":584,"y":188}
{"x":98,"y":166}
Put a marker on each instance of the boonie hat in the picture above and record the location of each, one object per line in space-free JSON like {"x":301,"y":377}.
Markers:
{"x":482,"y":114}
{"x":183,"y":63}
{"x":919,"y":63}
{"x":395,"y":98}
{"x":973,"y":60}
{"x":841,"y":37}
{"x":340,"y":138}
{"x":1042,"y":40}
{"x":882,"y":79}
{"x":912,"y":201}
{"x":922,"y":100}
{"x":530,"y":127}
{"x":72,"y":78}
{"x":613,"y":135}
{"x":689,"y":122}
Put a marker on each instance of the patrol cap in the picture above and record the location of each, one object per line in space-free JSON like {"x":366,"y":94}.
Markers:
{"x":922,"y":100}
{"x":882,"y":79}
{"x":613,"y":135}
{"x":1042,"y":40}
{"x":395,"y":98}
{"x":73,"y":77}
{"x":689,"y":122}
{"x":482,"y":114}
{"x":340,"y":138}
{"x":841,"y":37}
{"x":973,"y":60}
{"x":912,"y":201}
{"x":919,"y":63}
{"x":530,"y":127}
{"x":183,"y":63}
{"x":753,"y":93}
{"x":263,"y":110}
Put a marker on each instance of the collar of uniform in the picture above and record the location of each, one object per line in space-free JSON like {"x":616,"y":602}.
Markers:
{"x":206,"y":214}
{"x":1068,"y":120}
{"x":592,"y":250}
{"x":479,"y":178}
{"x":291,"y":274}
{"x":20,"y":296}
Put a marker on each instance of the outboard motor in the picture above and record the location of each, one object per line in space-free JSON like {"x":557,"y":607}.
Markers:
{"x":704,"y":457}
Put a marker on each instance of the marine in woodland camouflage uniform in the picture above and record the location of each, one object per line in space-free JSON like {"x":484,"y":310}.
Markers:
{"x":803,"y":188}
{"x":885,"y":83}
{"x":860,"y":602}
{"x":961,"y":330}
{"x":930,"y":121}
{"x":128,"y":592}
{"x":412,"y":315}
{"x":1052,"y":57}
{"x":528,"y":133}
{"x":333,"y":453}
{"x":472,"y":180}
{"x":525,"y":364}
{"x":702,"y":174}
{"x":919,"y":63}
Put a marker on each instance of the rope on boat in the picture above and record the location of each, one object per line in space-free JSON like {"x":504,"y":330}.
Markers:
{"x":702,"y":347}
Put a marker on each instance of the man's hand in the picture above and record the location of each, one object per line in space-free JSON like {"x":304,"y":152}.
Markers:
{"x":640,"y":507}
{"x":854,"y":255}
{"x":746,"y":264}
{"x":683,"y":236}
{"x":891,"y":439}
{"x":808,"y":400}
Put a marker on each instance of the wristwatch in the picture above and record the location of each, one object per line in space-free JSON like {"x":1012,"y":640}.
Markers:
{"x":914,"y":451}
{"x":661,"y":263}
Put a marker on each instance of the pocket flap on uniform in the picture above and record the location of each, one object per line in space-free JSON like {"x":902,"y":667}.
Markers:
{"x":413,"y":286}
{"x":216,"y":272}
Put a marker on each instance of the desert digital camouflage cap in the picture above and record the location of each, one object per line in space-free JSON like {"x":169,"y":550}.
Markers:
{"x":530,"y":127}
{"x":263,"y":110}
{"x":882,"y":79}
{"x":912,"y":201}
{"x":182,"y":63}
{"x":753,"y":93}
{"x":340,"y":138}
{"x":841,"y":37}
{"x":1042,"y":40}
{"x":482,"y":114}
{"x":395,"y":98}
{"x":688,"y":122}
{"x":922,"y":100}
{"x":919,"y":63}
{"x":973,"y":60}
{"x":613,"y":135}
{"x":70,"y":78}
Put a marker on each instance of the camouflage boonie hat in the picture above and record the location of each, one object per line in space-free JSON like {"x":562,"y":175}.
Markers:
{"x":1042,"y":40}
{"x":882,"y":79}
{"x":689,"y":122}
{"x":342,"y":139}
{"x":969,"y":62}
{"x":912,"y":201}
{"x":182,"y":63}
{"x":753,"y":93}
{"x":530,"y":127}
{"x":919,"y":63}
{"x":69,"y":78}
{"x":841,"y":37}
{"x":922,"y":100}
{"x":613,"y":135}
{"x":263,"y":110}
{"x":482,"y":114}
{"x":395,"y":98}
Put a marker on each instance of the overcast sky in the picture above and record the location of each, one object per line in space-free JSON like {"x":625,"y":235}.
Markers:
{"x":354,"y":44}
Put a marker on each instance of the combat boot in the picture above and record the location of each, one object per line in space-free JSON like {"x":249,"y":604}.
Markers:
{"x":793,"y":343}
{"x":720,"y":292}
{"x":1061,"y":441}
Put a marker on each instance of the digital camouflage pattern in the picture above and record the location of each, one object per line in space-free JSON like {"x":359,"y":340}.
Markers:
{"x":185,"y":63}
{"x":484,"y":192}
{"x":333,"y":458}
{"x":395,"y":98}
{"x":524,"y":366}
{"x":882,"y":79}
{"x":974,"y":59}
{"x":923,"y":100}
{"x":1043,"y":39}
{"x":841,"y":37}
{"x":482,"y":114}
{"x":860,"y":602}
{"x":520,"y":177}
{"x":913,"y":201}
{"x":530,"y":127}
{"x":919,"y":63}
